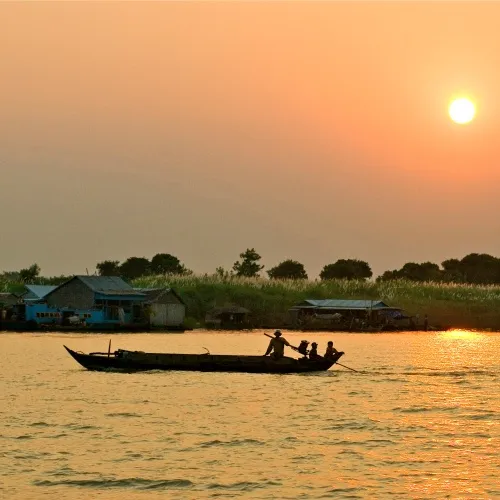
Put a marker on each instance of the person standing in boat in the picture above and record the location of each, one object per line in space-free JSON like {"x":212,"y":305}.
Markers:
{"x":277,"y":345}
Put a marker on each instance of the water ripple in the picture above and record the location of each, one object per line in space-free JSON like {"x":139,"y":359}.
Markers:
{"x":134,"y":483}
{"x":421,"y":420}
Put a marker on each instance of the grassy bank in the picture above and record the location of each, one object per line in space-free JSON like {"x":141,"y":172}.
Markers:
{"x":465,"y":306}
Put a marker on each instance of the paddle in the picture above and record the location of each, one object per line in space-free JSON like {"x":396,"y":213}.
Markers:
{"x":292,"y":346}
{"x":344,"y":366}
{"x":296,"y":349}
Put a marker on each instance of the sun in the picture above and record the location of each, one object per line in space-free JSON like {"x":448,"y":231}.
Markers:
{"x":462,"y":110}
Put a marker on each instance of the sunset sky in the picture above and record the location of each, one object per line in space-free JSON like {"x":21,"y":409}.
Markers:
{"x":311,"y":131}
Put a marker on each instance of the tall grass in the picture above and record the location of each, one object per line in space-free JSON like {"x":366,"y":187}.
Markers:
{"x":459,"y":305}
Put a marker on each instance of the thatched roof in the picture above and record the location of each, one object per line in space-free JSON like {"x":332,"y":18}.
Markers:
{"x":154,"y":294}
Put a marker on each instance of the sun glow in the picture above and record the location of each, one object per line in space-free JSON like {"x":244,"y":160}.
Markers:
{"x":462,"y":110}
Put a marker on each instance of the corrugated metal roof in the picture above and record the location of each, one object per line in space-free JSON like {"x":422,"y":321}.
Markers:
{"x":343,"y":304}
{"x":108,"y":285}
{"x":37,"y":292}
{"x":153,"y":294}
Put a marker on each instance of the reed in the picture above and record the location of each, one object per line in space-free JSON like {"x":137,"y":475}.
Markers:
{"x":458,"y":305}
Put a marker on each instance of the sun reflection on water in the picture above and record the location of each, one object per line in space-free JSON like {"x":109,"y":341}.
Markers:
{"x":458,"y":333}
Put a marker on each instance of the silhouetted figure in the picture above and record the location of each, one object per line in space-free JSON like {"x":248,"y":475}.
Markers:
{"x":330,"y":350}
{"x":313,"y":353}
{"x":426,"y":323}
{"x":277,"y":346}
{"x":303,"y":347}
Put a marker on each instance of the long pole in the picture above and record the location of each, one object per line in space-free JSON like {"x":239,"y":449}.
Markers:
{"x":271,"y":337}
{"x":344,"y":366}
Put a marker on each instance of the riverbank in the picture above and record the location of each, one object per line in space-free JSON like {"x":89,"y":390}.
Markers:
{"x":454,"y":305}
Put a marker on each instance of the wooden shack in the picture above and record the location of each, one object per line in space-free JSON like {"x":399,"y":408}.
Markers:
{"x":165,"y":308}
{"x":228,"y":318}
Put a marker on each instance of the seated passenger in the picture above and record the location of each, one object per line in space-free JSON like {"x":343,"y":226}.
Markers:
{"x":303,"y":347}
{"x":330,"y":350}
{"x":313,"y":353}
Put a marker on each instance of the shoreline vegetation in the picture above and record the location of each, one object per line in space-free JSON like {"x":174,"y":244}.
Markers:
{"x":454,"y":305}
{"x":448,"y":304}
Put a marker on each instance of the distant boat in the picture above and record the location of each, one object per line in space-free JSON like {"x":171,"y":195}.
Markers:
{"x":137,"y":361}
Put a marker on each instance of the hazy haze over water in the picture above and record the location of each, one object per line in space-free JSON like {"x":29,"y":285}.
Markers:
{"x":420,"y":421}
{"x":308,"y":130}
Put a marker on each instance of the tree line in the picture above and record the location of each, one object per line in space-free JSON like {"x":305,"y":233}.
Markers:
{"x":473,"y":268}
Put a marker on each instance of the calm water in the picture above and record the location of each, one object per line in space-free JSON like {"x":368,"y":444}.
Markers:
{"x":420,"y":421}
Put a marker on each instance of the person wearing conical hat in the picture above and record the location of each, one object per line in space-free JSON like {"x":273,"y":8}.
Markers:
{"x":276,"y":346}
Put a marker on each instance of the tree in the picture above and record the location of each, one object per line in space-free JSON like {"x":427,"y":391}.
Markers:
{"x":480,"y":268}
{"x":108,"y":268}
{"x":412,"y":271}
{"x":249,"y":265}
{"x":288,"y":269}
{"x":29,"y":274}
{"x":426,"y":271}
{"x":452,"y":271}
{"x":351,"y":269}
{"x":221,"y":273}
{"x":388,"y":276}
{"x":164,"y":263}
{"x":135,"y":267}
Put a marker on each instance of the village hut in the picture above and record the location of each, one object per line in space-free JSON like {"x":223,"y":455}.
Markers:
{"x":231,"y":317}
{"x":165,"y":308}
{"x":343,"y":314}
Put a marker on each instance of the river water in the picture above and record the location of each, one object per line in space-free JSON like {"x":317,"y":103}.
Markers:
{"x":420,"y":420}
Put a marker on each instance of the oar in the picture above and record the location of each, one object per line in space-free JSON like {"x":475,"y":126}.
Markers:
{"x":344,"y":366}
{"x":296,"y":348}
{"x":109,"y":348}
{"x":271,"y":337}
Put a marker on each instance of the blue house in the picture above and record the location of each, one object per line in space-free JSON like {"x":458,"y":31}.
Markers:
{"x":31,"y":306}
{"x":96,"y":301}
{"x":36,"y":292}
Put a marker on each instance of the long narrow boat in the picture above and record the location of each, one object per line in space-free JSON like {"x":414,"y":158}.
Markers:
{"x":136,"y":361}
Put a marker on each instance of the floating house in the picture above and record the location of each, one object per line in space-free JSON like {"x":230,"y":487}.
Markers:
{"x":7,"y":302}
{"x":164,"y":308}
{"x":94,"y":303}
{"x":97,"y":301}
{"x":8,"y":299}
{"x":335,"y":314}
{"x":228,"y":317}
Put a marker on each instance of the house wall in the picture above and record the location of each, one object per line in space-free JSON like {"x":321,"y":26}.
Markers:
{"x":73,"y":295}
{"x":42,"y":314}
{"x":167,"y":314}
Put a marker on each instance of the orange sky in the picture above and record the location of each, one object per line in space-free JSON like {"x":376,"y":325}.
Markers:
{"x":312,"y":131}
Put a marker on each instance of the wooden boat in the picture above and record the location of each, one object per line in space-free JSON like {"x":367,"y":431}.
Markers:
{"x":136,"y":361}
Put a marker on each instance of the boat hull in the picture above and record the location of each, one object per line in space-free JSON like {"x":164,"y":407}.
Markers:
{"x":135,"y":361}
